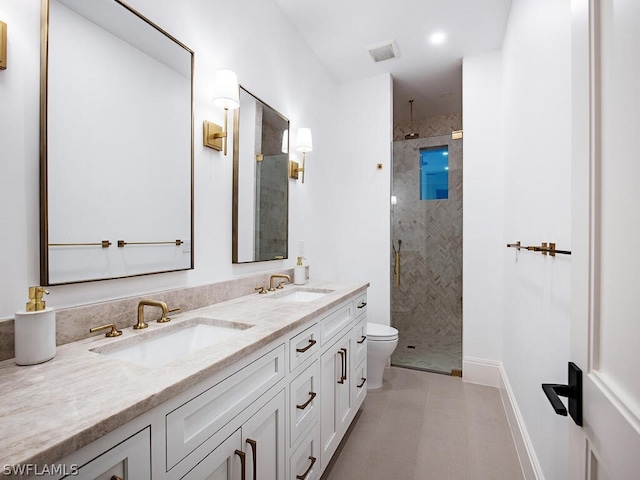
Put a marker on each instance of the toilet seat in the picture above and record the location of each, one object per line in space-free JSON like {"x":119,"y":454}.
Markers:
{"x":377,"y":332}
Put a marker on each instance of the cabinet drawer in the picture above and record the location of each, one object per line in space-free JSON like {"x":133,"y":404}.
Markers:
{"x":333,"y":323}
{"x":191,"y":424}
{"x":361,"y":305}
{"x":305,"y":461}
{"x":359,"y":342}
{"x":359,"y":385}
{"x":303,"y":346}
{"x":304,"y":402}
{"x":129,"y":460}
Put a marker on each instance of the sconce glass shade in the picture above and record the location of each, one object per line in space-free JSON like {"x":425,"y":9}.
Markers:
{"x":285,"y":141}
{"x":226,"y":93}
{"x":304,"y":143}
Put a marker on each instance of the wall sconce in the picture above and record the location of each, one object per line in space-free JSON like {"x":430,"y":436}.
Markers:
{"x":227,"y":96}
{"x":304,"y":144}
{"x":285,"y":141}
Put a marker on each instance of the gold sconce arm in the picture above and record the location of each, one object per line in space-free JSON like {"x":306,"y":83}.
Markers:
{"x":214,"y":136}
{"x":3,"y":46}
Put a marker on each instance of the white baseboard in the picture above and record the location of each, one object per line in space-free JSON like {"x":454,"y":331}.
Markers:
{"x":492,"y":373}
{"x":481,"y":371}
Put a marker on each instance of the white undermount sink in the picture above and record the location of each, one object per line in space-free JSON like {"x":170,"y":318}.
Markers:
{"x":173,"y":342}
{"x":301,"y":295}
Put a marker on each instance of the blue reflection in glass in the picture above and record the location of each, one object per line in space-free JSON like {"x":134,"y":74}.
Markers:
{"x":434,"y":173}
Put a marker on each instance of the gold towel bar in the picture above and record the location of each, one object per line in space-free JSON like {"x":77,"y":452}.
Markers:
{"x":122,"y":243}
{"x":103,"y":244}
{"x":544,"y":248}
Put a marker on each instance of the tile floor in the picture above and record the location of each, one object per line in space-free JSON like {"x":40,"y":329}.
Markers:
{"x":423,"y":426}
{"x":437,"y":352}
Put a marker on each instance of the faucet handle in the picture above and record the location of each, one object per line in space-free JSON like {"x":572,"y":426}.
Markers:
{"x":281,"y":284}
{"x":113,"y":333}
{"x":260,"y":290}
{"x":164,"y":318}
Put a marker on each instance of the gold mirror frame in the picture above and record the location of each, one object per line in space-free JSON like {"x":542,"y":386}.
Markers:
{"x":44,"y":175}
{"x":259,"y":158}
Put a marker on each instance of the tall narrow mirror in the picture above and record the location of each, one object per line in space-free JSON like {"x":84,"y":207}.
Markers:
{"x":116,"y":144}
{"x":260,"y":186}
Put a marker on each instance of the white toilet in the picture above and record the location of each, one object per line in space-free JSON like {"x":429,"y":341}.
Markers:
{"x":382,"y":340}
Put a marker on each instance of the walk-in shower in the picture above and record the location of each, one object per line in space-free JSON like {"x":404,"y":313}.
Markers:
{"x":426,"y":253}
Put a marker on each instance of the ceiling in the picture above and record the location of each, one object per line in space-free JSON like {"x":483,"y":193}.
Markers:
{"x":339,"y":32}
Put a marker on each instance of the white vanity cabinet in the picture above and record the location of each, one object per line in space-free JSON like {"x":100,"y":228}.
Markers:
{"x":277,"y":414}
{"x":336,"y":395}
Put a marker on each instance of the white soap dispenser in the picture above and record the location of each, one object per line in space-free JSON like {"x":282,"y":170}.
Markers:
{"x":35,"y":330}
{"x":299,"y":273}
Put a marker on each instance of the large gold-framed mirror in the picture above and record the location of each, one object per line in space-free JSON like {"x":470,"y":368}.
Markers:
{"x":260,"y":182}
{"x":116,"y":157}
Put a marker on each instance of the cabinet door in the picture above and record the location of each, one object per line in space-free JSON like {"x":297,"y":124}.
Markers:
{"x":129,"y":460}
{"x":225,"y":462}
{"x":263,"y":441}
{"x":335,"y":399}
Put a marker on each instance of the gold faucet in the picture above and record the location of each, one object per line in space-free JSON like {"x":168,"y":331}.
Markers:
{"x":153,"y":303}
{"x":286,"y":277}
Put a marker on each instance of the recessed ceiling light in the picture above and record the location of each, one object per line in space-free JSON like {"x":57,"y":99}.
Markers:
{"x":438,"y":38}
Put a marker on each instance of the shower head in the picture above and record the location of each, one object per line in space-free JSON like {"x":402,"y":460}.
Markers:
{"x":412,"y":135}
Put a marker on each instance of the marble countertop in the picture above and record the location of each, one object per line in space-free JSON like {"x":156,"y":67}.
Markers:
{"x":50,"y":410}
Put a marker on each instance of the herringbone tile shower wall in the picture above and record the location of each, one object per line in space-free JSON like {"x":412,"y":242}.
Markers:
{"x":429,"y":127}
{"x":427,"y":306}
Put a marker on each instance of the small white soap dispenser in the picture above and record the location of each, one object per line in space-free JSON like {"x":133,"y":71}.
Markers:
{"x":299,"y":273}
{"x":35,"y":330}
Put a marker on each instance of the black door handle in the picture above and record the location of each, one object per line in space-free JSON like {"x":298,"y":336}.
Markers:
{"x":573,"y":392}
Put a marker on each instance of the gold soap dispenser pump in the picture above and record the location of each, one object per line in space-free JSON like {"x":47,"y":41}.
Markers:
{"x":35,"y":330}
{"x":299,"y":272}
{"x":35,"y":303}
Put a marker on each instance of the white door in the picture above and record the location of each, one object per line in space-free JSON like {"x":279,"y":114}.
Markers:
{"x":605,"y":237}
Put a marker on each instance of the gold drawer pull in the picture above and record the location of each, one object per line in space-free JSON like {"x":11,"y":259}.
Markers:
{"x":304,"y":475}
{"x":116,"y":477}
{"x":312,"y":395}
{"x":311,"y":344}
{"x":362,"y":384}
{"x":364,"y":337}
{"x":362,"y":305}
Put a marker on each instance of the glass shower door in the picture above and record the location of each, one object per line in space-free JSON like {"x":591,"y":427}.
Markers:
{"x":426,"y":255}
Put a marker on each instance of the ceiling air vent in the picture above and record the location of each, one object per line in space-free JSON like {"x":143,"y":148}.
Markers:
{"x":384,"y":51}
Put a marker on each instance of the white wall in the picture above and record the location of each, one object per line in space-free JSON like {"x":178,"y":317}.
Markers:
{"x":363,"y":212}
{"x":483,"y":212}
{"x":537,"y":92}
{"x":535,"y":322}
{"x":272,"y":62}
